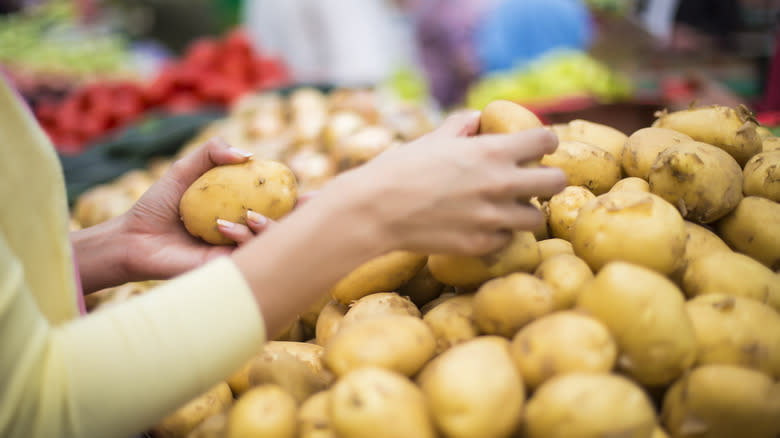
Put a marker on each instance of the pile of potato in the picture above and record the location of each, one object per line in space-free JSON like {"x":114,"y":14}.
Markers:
{"x":646,"y":307}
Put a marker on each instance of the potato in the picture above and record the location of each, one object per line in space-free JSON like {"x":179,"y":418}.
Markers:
{"x":314,"y":417}
{"x":543,"y":231}
{"x":723,"y":401}
{"x":189,"y":416}
{"x":552,"y":247}
{"x":227,"y":192}
{"x":753,"y":228}
{"x":213,"y":427}
{"x":361,"y":146}
{"x":239,"y":381}
{"x":702,"y":181}
{"x":762,"y":176}
{"x":502,"y":306}
{"x":340,"y":125}
{"x":312,"y":168}
{"x":602,"y":136}
{"x":635,"y":227}
{"x":700,"y":241}
{"x":521,"y":254}
{"x":452,"y":322}
{"x":399,"y":343}
{"x":589,"y":405}
{"x":736,"y":331}
{"x":585,"y":165}
{"x":764,"y":133}
{"x":328,"y":321}
{"x":311,"y":315}
{"x":561,"y":130}
{"x":448,"y":293}
{"x":770,"y":144}
{"x":631,"y":184}
{"x":646,"y":314}
{"x":422,"y":288}
{"x":381,"y":303}
{"x":564,"y":208}
{"x":730,"y":130}
{"x":292,"y":374}
{"x":266,"y":411}
{"x":464,"y":399}
{"x":644,"y":145}
{"x":100,"y":204}
{"x":659,"y":433}
{"x":382,"y":274}
{"x":378,"y":403}
{"x":565,"y":274}
{"x":561,"y":343}
{"x":735,"y":274}
{"x":504,"y":117}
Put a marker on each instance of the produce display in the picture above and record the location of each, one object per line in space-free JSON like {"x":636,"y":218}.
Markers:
{"x":648,"y":307}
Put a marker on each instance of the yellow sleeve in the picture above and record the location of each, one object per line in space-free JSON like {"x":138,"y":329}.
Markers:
{"x":119,"y":371}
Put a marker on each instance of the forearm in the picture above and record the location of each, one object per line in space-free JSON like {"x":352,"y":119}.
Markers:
{"x":101,"y":253}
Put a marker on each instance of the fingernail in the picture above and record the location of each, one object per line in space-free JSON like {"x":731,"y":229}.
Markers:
{"x":225,"y":224}
{"x":240,"y":152}
{"x":255,"y":217}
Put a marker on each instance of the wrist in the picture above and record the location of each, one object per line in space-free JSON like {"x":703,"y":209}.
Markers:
{"x":101,"y":253}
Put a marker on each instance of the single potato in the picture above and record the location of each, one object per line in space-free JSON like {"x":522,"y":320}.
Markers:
{"x":422,"y":288}
{"x":382,"y":274}
{"x":452,"y":321}
{"x":328,"y":321}
{"x":504,"y":117}
{"x":361,"y":146}
{"x":635,"y":227}
{"x":552,"y":247}
{"x":723,"y":401}
{"x":228,"y":192}
{"x":381,"y":303}
{"x":585,"y":165}
{"x":603,"y":136}
{"x":646,"y":314}
{"x":296,"y":377}
{"x":753,"y":228}
{"x":563,"y":210}
{"x":631,"y":183}
{"x":502,"y":306}
{"x":213,"y":427}
{"x":266,"y":411}
{"x":762,"y":176}
{"x":589,"y":405}
{"x":700,"y":242}
{"x":644,"y":145}
{"x":565,"y":274}
{"x":314,"y":417}
{"x":770,"y":144}
{"x":465,"y":400}
{"x":379,"y":403}
{"x":180,"y":423}
{"x":561,"y":343}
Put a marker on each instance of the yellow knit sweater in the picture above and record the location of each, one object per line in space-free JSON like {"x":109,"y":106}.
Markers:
{"x":116,"y":372}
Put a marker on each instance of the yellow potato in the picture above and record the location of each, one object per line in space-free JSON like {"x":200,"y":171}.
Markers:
{"x":702,"y":181}
{"x":292,"y":374}
{"x":452,"y":321}
{"x":560,"y":343}
{"x":314,"y":417}
{"x":602,"y":136}
{"x":564,"y":208}
{"x":631,"y":183}
{"x":340,"y":125}
{"x":753,"y":228}
{"x":399,"y":343}
{"x":361,"y":146}
{"x":180,"y":423}
{"x":659,"y":433}
{"x":213,"y":427}
{"x":312,"y":168}
{"x":382,"y":274}
{"x":770,"y":144}
{"x":700,"y":242}
{"x":328,"y":321}
{"x":644,"y":145}
{"x":227,"y":192}
{"x":764,"y":133}
{"x":378,"y":403}
{"x":552,"y":247}
{"x":736,"y":331}
{"x":561,"y":130}
{"x":266,"y":411}
{"x":503,"y":117}
{"x":381,"y":303}
{"x":310,"y":316}
{"x":448,"y":293}
{"x":422,"y":288}
{"x":734,"y":131}
{"x":762,"y":176}
{"x":722,"y":401}
{"x":565,"y":274}
{"x":521,"y":254}
{"x":635,"y":227}
{"x":465,"y":400}
{"x":239,"y":381}
{"x":588,"y":405}
{"x":585,"y":165}
{"x":502,"y":306}
{"x":646,"y":314}
{"x":735,"y":274}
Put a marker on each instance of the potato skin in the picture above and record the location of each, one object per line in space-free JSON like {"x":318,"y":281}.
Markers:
{"x":314,"y":417}
{"x":382,"y":274}
{"x":631,"y":183}
{"x":702,"y":181}
{"x":399,"y":343}
{"x":266,"y":411}
{"x":188,"y":417}
{"x":374,"y":402}
{"x":227,"y":192}
{"x":646,"y":314}
{"x":732,"y":274}
{"x":505,"y":304}
{"x":292,"y":374}
{"x":452,"y":321}
{"x":380,"y":303}
{"x":753,"y":228}
{"x":615,"y":407}
{"x":562,"y":342}
{"x":552,"y":247}
{"x":585,"y":165}
{"x":422,"y":288}
{"x":607,"y":227}
{"x":770,"y":144}
{"x":736,"y":331}
{"x":762,"y":176}
{"x":328,"y":321}
{"x":504,"y":117}
{"x":465,"y":401}
{"x":565,"y":274}
{"x":644,"y":145}
{"x":733,"y":131}
{"x":722,"y":401}
{"x":602,"y":136}
{"x":564,"y":208}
